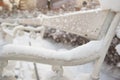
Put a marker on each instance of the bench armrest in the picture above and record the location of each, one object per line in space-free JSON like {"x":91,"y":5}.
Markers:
{"x":76,"y":56}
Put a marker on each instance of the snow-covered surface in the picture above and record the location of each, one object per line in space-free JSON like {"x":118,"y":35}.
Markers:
{"x":83,"y":51}
{"x":71,"y":73}
{"x":25,"y":71}
{"x":110,"y":4}
{"x":45,"y":72}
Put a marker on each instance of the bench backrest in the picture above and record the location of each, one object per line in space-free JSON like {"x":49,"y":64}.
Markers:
{"x":91,"y":24}
{"x":88,"y":24}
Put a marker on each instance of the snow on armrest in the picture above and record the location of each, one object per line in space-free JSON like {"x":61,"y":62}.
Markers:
{"x":78,"y":55}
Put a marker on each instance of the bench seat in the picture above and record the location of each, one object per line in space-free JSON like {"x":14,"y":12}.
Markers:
{"x":76,"y":56}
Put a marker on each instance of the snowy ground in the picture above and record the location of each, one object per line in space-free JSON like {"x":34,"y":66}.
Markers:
{"x":25,"y":70}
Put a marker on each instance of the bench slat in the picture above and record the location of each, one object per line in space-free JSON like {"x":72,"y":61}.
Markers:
{"x":86,"y":24}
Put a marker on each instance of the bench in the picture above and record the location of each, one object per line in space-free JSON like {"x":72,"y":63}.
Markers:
{"x":97,"y":25}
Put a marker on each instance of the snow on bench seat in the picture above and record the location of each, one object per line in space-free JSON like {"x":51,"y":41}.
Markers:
{"x":76,"y":56}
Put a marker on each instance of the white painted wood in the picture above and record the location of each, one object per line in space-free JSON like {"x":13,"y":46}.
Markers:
{"x":30,"y":29}
{"x":87,"y":24}
{"x":96,"y":54}
{"x":105,"y":45}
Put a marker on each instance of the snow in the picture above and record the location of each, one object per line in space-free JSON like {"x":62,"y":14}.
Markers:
{"x":80,"y":72}
{"x":71,"y":73}
{"x":79,"y":52}
{"x":2,"y":43}
{"x":118,"y":48}
{"x":110,"y":4}
{"x":24,"y":47}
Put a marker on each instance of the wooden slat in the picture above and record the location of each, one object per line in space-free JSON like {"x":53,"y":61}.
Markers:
{"x":86,"y":24}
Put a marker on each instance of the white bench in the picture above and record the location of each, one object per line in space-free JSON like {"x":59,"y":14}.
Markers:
{"x":97,"y":25}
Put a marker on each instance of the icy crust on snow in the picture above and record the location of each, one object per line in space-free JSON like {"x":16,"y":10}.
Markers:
{"x":83,"y":51}
{"x":110,"y":4}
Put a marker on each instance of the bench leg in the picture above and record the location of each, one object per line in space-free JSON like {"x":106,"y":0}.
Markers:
{"x":96,"y":69}
{"x":59,"y":73}
{"x":58,"y":70}
{"x":2,"y":65}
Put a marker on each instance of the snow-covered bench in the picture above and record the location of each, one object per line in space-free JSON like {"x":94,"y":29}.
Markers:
{"x":97,"y":25}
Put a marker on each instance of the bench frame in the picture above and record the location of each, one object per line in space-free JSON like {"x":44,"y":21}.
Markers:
{"x":106,"y":40}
